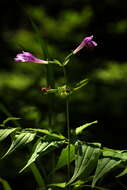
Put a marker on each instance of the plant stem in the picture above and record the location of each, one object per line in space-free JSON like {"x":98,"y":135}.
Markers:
{"x":68,"y":134}
{"x":68,"y":125}
{"x":40,"y":181}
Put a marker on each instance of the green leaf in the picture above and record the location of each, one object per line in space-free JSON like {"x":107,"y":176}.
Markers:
{"x":46,"y":132}
{"x":108,"y":161}
{"x":40,"y":149}
{"x":67,"y":59}
{"x":80,"y":84}
{"x":9,"y":119}
{"x":124,"y":172}
{"x":57,"y":62}
{"x":22,"y":139}
{"x":81,"y":128}
{"x":87,"y":157}
{"x":5,"y":132}
{"x":5,"y":184}
{"x":66,"y":62}
{"x":61,"y":185}
{"x":63,"y":158}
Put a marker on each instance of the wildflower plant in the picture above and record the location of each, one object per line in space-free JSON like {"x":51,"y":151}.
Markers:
{"x":91,"y":161}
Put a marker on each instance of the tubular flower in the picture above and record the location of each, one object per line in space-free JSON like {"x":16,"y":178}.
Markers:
{"x":86,"y":42}
{"x":28,"y":57}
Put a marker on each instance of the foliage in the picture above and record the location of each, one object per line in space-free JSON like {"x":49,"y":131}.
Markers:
{"x":92,"y":161}
{"x":42,"y":130}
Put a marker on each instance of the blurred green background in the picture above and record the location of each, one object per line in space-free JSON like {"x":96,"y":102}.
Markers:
{"x":62,"y":25}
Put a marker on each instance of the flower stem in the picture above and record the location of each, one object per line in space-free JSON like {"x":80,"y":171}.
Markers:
{"x":68,"y":126}
{"x":68,"y":134}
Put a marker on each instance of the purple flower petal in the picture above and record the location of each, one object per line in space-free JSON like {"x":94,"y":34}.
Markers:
{"x":28,"y":57}
{"x":86,"y":42}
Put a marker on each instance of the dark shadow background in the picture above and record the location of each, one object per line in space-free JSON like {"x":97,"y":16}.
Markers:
{"x":62,"y":25}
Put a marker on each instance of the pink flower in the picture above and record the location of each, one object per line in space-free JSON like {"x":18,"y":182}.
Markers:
{"x":86,"y":42}
{"x":28,"y":57}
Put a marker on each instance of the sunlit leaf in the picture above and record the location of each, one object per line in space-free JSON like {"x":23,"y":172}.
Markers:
{"x":22,"y":139}
{"x":5,"y":132}
{"x":63,"y":158}
{"x":87,"y":157}
{"x":40,"y":149}
{"x":81,"y":128}
{"x":46,"y":132}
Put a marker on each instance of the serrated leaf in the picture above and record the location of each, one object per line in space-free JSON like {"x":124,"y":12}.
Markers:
{"x":87,"y":157}
{"x":41,"y":148}
{"x":81,"y":128}
{"x":5,"y":184}
{"x":106,"y":163}
{"x":22,"y":139}
{"x":4,"y":133}
{"x":63,"y":158}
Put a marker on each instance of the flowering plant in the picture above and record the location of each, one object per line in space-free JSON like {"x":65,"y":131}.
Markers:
{"x":89,"y":159}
